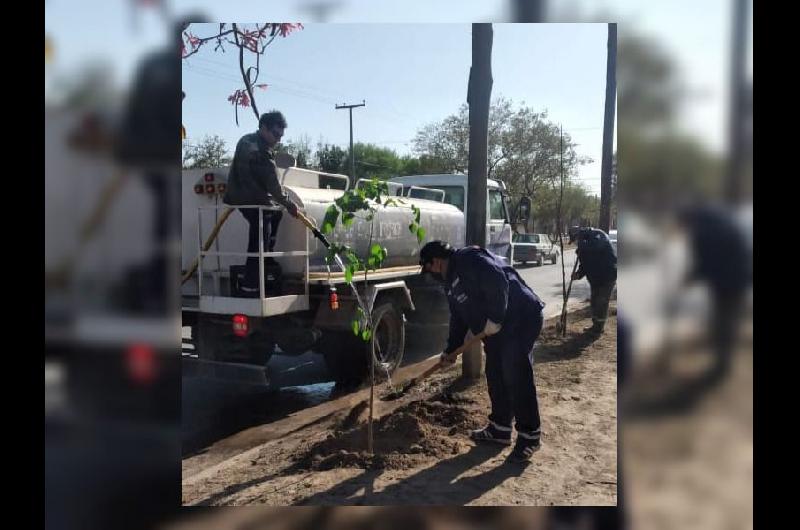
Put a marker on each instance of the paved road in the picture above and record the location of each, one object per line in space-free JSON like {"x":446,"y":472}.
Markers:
{"x":546,"y":281}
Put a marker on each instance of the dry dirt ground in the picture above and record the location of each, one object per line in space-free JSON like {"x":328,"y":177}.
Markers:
{"x":422,"y":453}
{"x":689,"y":464}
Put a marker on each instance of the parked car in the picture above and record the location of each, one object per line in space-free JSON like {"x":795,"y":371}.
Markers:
{"x":534,"y":247}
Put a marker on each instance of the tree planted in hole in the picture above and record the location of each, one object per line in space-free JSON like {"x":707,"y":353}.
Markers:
{"x":364,"y":203}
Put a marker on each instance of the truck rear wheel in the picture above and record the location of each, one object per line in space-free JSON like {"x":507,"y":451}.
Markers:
{"x":390,"y":339}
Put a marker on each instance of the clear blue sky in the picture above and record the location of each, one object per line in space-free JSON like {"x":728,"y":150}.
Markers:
{"x":695,"y":34}
{"x":409,"y":75}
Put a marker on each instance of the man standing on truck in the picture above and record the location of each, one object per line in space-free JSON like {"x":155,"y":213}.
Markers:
{"x":598,"y":263}
{"x":486,"y":295}
{"x":253,"y":179}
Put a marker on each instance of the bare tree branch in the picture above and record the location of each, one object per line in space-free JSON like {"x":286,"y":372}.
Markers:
{"x":198,"y":43}
{"x":244,"y":74}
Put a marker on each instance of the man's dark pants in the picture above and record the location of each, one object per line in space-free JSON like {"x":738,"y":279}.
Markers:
{"x":270,"y":231}
{"x":509,"y":375}
{"x":600,"y":297}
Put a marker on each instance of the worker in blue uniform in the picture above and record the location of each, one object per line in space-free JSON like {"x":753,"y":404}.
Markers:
{"x":487,"y":295}
{"x":598,"y":263}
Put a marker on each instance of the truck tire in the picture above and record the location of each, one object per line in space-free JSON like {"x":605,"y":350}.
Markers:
{"x":390,"y":339}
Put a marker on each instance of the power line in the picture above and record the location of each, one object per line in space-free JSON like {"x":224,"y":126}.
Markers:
{"x":329,"y":97}
{"x":291,"y":91}
{"x":304,"y":86}
{"x":210,"y":73}
{"x":224,"y":77}
{"x":302,"y":95}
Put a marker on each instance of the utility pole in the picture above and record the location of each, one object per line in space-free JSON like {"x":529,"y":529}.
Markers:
{"x":736,"y":120}
{"x":479,"y":93}
{"x":608,"y":130}
{"x":352,"y":153}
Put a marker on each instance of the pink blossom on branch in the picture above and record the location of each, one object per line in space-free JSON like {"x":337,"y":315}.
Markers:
{"x":193,"y":41}
{"x":285,"y":29}
{"x":255,"y":41}
{"x":250,"y":40}
{"x":240,"y":98}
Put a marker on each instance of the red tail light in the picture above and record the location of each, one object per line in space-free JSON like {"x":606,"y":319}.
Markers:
{"x":241,"y":325}
{"x":208,"y":177}
{"x":333,"y":299}
{"x":142,"y":363}
{"x":221,"y":188}
{"x":210,"y":188}
{"x":198,"y":188}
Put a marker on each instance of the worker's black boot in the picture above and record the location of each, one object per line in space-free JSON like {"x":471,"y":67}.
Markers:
{"x":493,"y":433}
{"x":594,"y":329}
{"x":524,"y":448}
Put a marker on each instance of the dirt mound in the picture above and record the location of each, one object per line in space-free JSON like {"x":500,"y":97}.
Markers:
{"x":420,"y":431}
{"x":452,"y":398}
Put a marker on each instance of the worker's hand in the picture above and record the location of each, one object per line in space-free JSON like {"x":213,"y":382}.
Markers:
{"x":447,"y":358}
{"x":491,"y":328}
{"x":292,"y":209}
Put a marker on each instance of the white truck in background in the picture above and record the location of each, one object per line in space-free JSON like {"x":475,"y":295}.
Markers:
{"x":454,"y":186}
